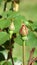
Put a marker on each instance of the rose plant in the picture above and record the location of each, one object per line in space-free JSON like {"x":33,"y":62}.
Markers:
{"x":14,"y":28}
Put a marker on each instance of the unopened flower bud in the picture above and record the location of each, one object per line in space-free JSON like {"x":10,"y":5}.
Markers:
{"x":23,"y":30}
{"x":12,"y":27}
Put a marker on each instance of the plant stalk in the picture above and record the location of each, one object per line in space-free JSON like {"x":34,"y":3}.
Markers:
{"x":11,"y":57}
{"x":23,"y":49}
{"x":11,"y":49}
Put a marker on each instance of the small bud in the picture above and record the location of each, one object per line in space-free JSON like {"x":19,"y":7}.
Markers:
{"x":24,"y":30}
{"x":16,"y":7}
{"x":12,"y":27}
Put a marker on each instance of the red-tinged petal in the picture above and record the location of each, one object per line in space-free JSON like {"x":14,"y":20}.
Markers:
{"x":24,"y":30}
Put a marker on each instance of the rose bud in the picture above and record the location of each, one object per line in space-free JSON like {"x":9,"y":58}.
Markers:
{"x":12,"y":27}
{"x":24,"y":30}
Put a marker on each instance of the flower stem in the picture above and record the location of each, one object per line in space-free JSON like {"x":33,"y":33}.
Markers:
{"x":11,"y":49}
{"x":23,"y":49}
{"x":12,"y":57}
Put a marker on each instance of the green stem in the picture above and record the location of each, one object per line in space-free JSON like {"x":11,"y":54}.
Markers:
{"x":11,"y":56}
{"x":11,"y":49}
{"x":23,"y":49}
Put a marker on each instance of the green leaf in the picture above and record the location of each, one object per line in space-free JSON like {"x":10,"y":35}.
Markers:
{"x":18,"y":20}
{"x":6,"y":14}
{"x":34,"y":25}
{"x":4,"y":23}
{"x":3,"y":37}
{"x":13,"y":15}
{"x":9,"y":14}
{"x":32,"y":40}
{"x":17,"y":25}
{"x":18,"y":40}
{"x":22,"y":19}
